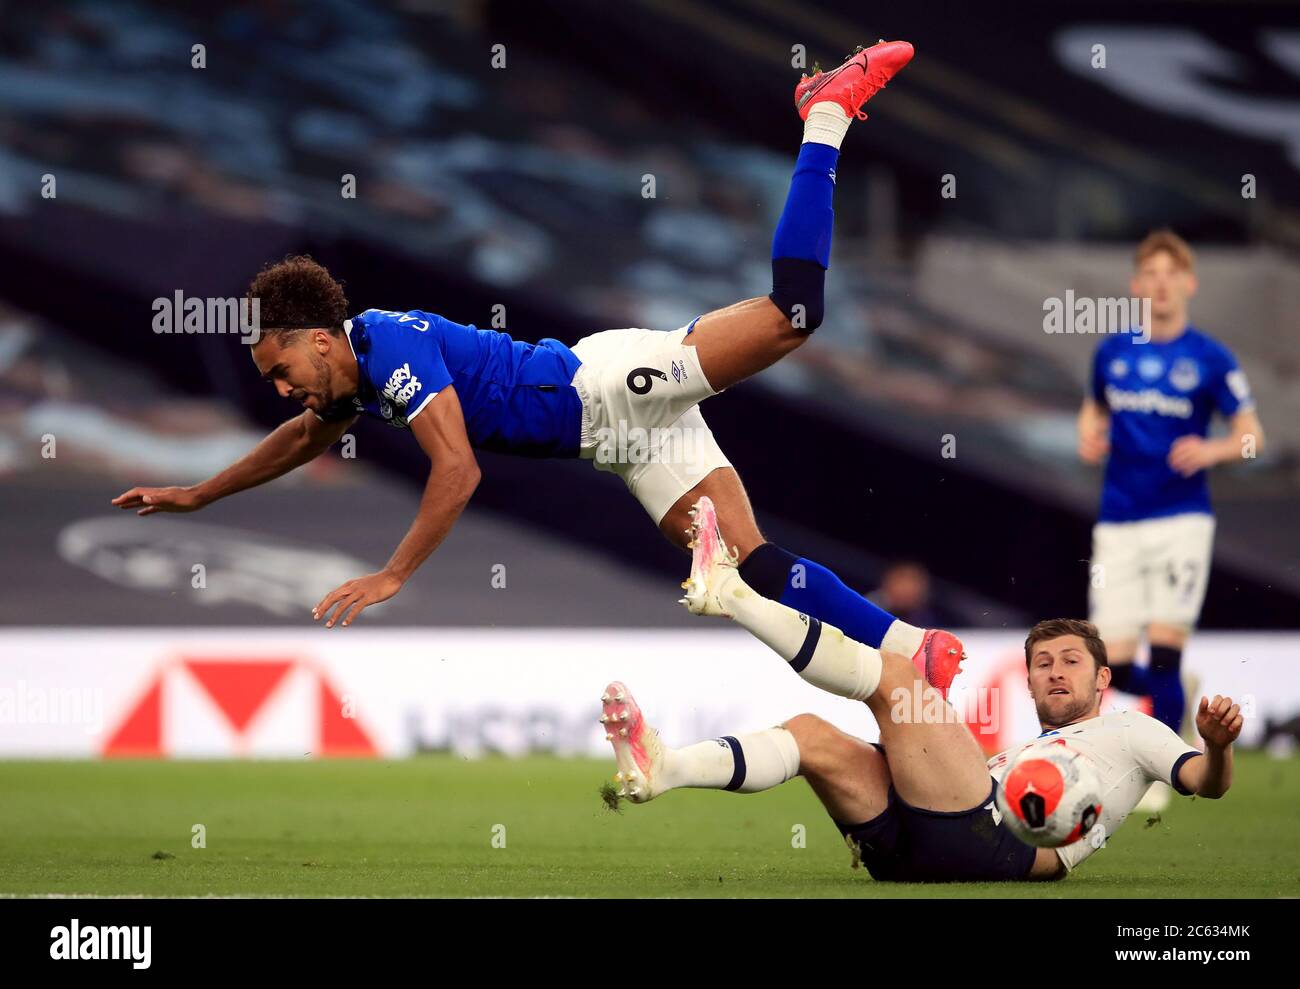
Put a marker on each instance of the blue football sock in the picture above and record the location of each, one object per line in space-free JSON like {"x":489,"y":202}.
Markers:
{"x":1130,"y":678}
{"x":1165,"y":682}
{"x":809,"y":587}
{"x":801,"y":246}
{"x":804,"y":230}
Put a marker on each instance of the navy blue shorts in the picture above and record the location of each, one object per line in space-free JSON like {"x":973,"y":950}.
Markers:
{"x":907,"y":844}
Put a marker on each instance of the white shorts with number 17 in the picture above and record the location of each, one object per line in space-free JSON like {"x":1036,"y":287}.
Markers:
{"x":1152,"y":570}
{"x":641,"y":420}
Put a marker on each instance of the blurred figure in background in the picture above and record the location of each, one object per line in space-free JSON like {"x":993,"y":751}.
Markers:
{"x":1154,"y":391}
{"x":905,"y":590}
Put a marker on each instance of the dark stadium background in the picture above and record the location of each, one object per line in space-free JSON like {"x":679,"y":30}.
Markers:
{"x":520,"y":187}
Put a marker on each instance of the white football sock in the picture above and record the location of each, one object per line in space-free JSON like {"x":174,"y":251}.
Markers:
{"x":820,"y":653}
{"x":902,"y":638}
{"x":745,"y":763}
{"x":827,"y":123}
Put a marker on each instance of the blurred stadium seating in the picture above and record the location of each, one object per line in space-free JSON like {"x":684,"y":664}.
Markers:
{"x":522,"y":187}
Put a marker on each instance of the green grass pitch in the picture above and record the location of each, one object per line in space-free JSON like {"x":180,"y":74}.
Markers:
{"x":426,"y":827}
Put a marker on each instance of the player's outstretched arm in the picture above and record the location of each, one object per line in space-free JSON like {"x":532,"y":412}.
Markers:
{"x":1219,"y":722}
{"x":290,"y":445}
{"x":453,"y":477}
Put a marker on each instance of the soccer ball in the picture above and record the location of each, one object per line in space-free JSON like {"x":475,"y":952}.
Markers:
{"x":1050,"y":795}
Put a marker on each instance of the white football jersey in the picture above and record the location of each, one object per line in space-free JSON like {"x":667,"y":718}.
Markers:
{"x":1130,"y":752}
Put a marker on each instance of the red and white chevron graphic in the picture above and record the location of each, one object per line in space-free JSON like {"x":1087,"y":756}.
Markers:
{"x":215,"y":706}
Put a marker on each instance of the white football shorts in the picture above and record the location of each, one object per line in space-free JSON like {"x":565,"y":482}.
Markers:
{"x":1152,"y":570}
{"x":641,"y":419}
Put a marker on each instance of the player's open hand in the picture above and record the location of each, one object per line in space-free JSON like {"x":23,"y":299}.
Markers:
{"x":150,"y":500}
{"x":354,"y":597}
{"x":1219,"y":721}
{"x":1190,"y":455}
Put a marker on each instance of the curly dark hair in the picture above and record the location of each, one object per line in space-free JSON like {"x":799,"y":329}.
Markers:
{"x":1054,"y":628}
{"x":297,"y":294}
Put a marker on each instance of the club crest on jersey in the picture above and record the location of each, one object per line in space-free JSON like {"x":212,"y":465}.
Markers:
{"x":1185,"y":374}
{"x":391,"y":415}
{"x":1151,"y":367}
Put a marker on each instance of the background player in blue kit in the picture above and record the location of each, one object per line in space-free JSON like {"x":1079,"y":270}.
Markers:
{"x":457,"y":389}
{"x":1149,"y":409}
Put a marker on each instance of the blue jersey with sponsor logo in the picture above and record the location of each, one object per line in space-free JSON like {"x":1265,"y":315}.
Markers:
{"x":1155,"y":393}
{"x":516,"y":397}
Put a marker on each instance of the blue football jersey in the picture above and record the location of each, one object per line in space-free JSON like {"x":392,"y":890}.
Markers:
{"x":1155,"y":393}
{"x":516,"y":397}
